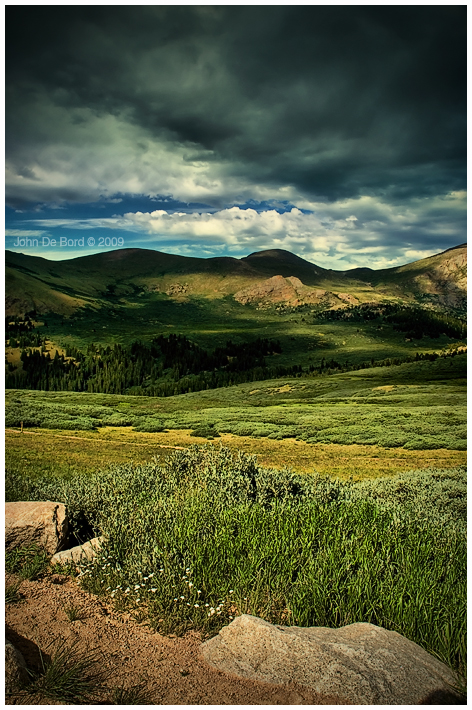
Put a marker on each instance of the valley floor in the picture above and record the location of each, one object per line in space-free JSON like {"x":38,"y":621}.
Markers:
{"x":55,"y":451}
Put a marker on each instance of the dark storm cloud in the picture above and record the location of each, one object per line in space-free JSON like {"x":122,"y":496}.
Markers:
{"x":335,"y":101}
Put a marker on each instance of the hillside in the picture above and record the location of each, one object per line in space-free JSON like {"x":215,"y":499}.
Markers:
{"x":63,"y":287}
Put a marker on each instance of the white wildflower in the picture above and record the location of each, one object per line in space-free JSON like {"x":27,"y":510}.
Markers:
{"x":196,"y":606}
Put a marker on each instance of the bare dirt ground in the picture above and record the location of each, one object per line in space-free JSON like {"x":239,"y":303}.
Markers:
{"x":170,"y":668}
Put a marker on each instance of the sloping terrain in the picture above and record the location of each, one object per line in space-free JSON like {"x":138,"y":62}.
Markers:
{"x":35,"y":283}
{"x":439,"y":279}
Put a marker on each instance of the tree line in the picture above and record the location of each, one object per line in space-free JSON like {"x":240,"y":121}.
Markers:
{"x":167,"y":366}
{"x":413,"y":321}
{"x":20,"y":333}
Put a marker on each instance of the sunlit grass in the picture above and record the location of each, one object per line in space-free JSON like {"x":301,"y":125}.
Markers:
{"x":202,"y":535}
{"x":70,"y":674}
{"x":62,"y":453}
{"x":28,"y":562}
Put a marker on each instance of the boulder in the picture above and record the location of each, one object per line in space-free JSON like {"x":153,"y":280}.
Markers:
{"x":16,"y":675}
{"x":87,"y":551}
{"x":361,"y":664}
{"x":41,"y":522}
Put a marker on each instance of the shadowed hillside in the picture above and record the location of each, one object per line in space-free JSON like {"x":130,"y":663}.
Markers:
{"x":37,"y":284}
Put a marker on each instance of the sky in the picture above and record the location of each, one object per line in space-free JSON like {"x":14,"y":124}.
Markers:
{"x":335,"y":132}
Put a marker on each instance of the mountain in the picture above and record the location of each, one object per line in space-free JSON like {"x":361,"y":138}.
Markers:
{"x":265,"y":278}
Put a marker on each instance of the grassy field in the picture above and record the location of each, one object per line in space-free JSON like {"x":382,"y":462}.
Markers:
{"x":314,"y":500}
{"x":363,"y":423}
{"x":46,"y":452}
{"x":304,"y":338}
{"x":369,"y":525}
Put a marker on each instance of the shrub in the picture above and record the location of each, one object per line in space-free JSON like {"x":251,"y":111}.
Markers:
{"x":118,"y":420}
{"x":15,"y":415}
{"x":78,"y":423}
{"x":205,"y":431}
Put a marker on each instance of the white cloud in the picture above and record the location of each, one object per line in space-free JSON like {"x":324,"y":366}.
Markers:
{"x":338,"y":235}
{"x":24,"y":232}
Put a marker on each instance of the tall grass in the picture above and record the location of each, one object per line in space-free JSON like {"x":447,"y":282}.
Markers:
{"x":204,"y":535}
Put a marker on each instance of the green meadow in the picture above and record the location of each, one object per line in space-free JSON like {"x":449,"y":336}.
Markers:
{"x":304,"y":336}
{"x":320,"y":499}
{"x":419,"y":405}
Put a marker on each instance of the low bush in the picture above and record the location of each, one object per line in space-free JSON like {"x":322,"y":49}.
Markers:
{"x":78,"y":423}
{"x":118,"y":420}
{"x":205,"y":431}
{"x":149,"y":424}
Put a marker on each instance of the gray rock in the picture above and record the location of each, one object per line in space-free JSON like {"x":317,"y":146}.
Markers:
{"x":87,"y":551}
{"x":16,"y":675}
{"x":361,"y":664}
{"x":41,"y":522}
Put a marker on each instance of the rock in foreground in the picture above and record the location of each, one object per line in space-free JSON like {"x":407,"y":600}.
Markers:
{"x":87,"y":551}
{"x":41,"y":522}
{"x":362,"y":664}
{"x":16,"y":675}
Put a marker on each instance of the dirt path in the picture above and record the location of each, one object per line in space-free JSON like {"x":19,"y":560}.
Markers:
{"x":171,"y":667}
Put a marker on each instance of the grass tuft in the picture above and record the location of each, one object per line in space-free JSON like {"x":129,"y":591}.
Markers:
{"x":29,"y":562}
{"x":73,"y":613}
{"x":135,"y":695}
{"x":11,"y":593}
{"x":71,"y":674}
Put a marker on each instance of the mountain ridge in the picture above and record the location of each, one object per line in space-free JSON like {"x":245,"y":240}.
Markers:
{"x":36,"y":283}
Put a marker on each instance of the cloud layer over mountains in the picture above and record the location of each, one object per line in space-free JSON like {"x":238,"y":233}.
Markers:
{"x":340,"y":128}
